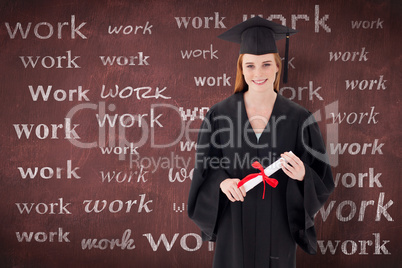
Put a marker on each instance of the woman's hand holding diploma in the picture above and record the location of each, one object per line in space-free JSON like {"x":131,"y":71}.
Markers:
{"x":293,"y":166}
{"x":229,"y":188}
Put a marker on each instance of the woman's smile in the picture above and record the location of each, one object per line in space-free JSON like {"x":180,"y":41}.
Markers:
{"x":260,"y":82}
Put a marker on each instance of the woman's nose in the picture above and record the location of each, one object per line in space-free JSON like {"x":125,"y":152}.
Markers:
{"x":258,"y":71}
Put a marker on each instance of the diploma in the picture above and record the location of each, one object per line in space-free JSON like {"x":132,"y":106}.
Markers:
{"x":271,"y":169}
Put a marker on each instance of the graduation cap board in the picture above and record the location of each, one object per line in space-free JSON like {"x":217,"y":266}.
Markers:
{"x":258,"y":36}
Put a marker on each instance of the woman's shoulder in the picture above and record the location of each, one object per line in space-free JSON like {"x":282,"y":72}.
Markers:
{"x":283,"y":105}
{"x":291,"y":109}
{"x":228,"y":105}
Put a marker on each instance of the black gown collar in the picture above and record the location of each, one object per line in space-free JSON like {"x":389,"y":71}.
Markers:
{"x":268,"y":127}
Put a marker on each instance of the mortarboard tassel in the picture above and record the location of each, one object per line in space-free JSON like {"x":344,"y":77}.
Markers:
{"x":285,"y":71}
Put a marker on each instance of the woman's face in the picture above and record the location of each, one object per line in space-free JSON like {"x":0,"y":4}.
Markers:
{"x":259,"y":71}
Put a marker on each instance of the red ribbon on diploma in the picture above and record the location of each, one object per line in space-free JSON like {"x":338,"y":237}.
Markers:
{"x":265,"y":178}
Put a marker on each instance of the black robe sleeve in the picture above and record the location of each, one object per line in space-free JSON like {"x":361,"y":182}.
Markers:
{"x":305,"y":198}
{"x":205,"y":202}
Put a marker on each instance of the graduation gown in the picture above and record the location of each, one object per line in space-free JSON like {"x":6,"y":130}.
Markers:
{"x":258,"y":232}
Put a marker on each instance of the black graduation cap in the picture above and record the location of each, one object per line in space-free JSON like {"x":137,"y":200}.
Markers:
{"x":257,"y":36}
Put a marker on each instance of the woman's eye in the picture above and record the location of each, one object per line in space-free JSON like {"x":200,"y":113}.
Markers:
{"x":249,"y":66}
{"x":267,"y":65}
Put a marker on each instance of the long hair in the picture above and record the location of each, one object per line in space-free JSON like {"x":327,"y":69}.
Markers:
{"x":240,"y":83}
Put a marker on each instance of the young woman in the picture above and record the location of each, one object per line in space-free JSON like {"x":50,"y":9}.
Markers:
{"x":258,"y":124}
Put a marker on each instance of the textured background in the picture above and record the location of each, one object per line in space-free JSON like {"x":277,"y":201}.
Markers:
{"x":311,"y":49}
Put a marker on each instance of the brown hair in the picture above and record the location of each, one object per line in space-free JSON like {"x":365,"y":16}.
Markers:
{"x":240,"y":83}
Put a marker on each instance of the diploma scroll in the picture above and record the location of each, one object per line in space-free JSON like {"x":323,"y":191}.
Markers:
{"x":271,"y":169}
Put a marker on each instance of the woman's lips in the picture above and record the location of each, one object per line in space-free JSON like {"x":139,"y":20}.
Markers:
{"x":260,"y":82}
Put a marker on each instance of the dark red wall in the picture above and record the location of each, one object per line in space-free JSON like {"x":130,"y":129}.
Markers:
{"x":340,"y":44}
